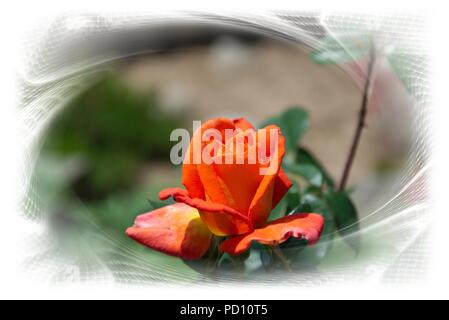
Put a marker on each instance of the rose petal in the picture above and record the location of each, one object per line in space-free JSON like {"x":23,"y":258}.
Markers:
{"x":175,"y":229}
{"x":190,"y":175}
{"x":221,"y":219}
{"x":191,"y":179}
{"x":262,"y":202}
{"x":299,"y":225}
{"x":281,"y":185}
{"x":242,"y":123}
{"x":215,"y":189}
{"x":240,"y":179}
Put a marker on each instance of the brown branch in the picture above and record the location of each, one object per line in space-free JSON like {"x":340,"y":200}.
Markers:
{"x":360,"y":124}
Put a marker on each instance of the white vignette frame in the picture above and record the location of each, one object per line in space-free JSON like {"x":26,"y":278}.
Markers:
{"x":28,"y":134}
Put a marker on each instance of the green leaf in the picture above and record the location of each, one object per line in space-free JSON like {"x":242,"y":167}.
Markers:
{"x":309,"y":168}
{"x":341,"y":48}
{"x":293,"y":197}
{"x":302,"y":208}
{"x":296,"y":122}
{"x":290,"y":201}
{"x":280,"y":210}
{"x":259,"y":258}
{"x":293,"y":123}
{"x":313,"y":197}
{"x":329,"y":223}
{"x":310,"y":202}
{"x":307,"y":171}
{"x":305,"y":157}
{"x":345,"y":216}
{"x":225,"y":261}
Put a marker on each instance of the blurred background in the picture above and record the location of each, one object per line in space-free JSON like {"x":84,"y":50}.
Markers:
{"x":105,"y":154}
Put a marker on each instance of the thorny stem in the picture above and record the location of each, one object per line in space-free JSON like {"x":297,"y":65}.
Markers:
{"x":278,"y":252}
{"x":361,"y":122}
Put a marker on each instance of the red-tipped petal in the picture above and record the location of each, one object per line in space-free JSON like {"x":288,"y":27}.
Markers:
{"x":175,"y":229}
{"x":300,"y":225}
{"x":221,"y":219}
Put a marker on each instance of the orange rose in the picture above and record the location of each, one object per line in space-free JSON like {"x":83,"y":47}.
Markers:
{"x":232,"y":195}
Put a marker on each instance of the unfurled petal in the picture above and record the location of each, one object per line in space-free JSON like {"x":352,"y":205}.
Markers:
{"x":215,"y":189}
{"x":191,"y":179}
{"x":190,"y":175}
{"x":175,"y":229}
{"x":241,"y":178}
{"x":301,"y":225}
{"x":220,"y":219}
{"x":281,"y":185}
{"x":262,"y":202}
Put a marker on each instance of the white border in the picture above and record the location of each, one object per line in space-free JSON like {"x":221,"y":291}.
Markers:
{"x":18,"y":18}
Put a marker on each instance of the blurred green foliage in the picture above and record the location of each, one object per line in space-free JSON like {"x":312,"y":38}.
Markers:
{"x":90,"y":176}
{"x":114,"y":131}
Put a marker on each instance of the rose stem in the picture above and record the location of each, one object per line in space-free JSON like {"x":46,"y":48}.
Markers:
{"x":213,"y":261}
{"x":278,"y":252}
{"x":360,"y":124}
